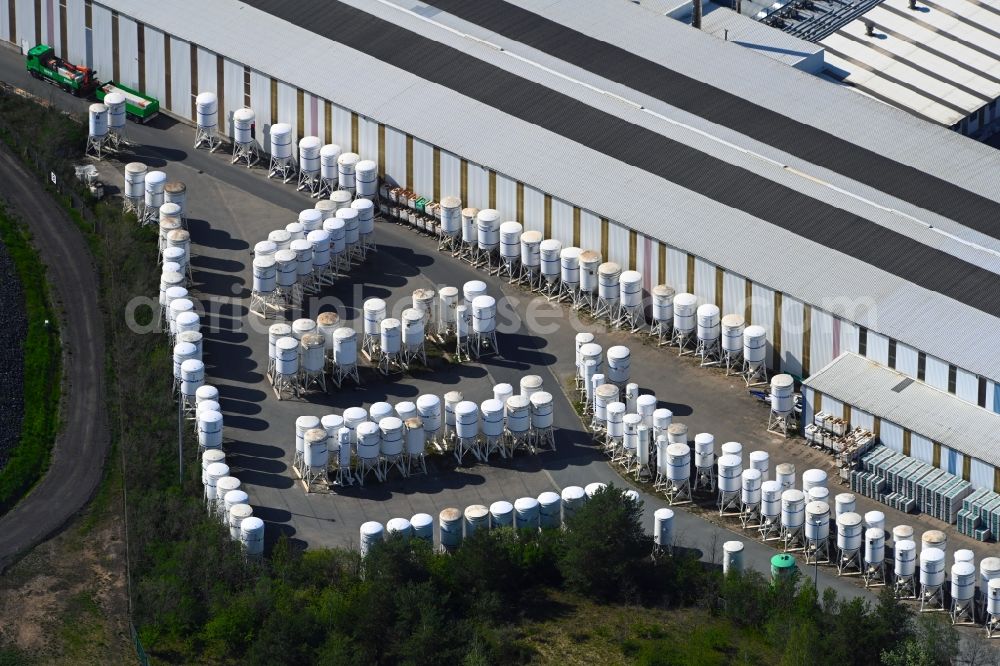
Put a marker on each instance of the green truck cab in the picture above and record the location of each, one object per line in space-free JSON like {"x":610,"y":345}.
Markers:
{"x":42,"y":63}
{"x":138,"y":106}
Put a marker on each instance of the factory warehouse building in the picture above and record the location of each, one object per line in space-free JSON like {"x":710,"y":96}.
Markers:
{"x":836,"y":222}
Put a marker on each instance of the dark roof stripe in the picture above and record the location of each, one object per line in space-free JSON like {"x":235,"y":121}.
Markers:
{"x":719,"y":106}
{"x":679,"y":163}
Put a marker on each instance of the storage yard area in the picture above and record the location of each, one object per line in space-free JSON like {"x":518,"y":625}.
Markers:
{"x":522,"y":264}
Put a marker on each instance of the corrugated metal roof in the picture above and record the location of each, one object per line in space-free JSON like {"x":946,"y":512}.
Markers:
{"x":525,"y":151}
{"x":941,"y":62}
{"x":726,"y":24}
{"x":912,"y":404}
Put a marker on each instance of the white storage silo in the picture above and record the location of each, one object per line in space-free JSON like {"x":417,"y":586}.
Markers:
{"x":399,"y":528}
{"x":450,"y":524}
{"x":371,"y":533}
{"x":422,"y":525}
{"x":850,"y":537}
{"x":608,"y":290}
{"x":526,"y":512}
{"x":346,"y":166}
{"x":685,"y":319}
{"x":244,"y":146}
{"x":874,"y":557}
{"x":732,"y":557}
{"x":573,"y":498}
{"x":549,"y":510}
{"x":501,"y":514}
{"x":708,"y":333}
{"x":729,"y":469}
{"x":97,"y":130}
{"x":477,"y":517}
{"x":237,"y":514}
{"x":663,"y":530}
{"x":590,"y":261}
{"x":206,"y":121}
{"x":932,"y":574}
{"x":793,"y":506}
{"x":252,"y":537}
{"x":328,"y":155}
{"x":281,"y":166}
{"x":663,"y":313}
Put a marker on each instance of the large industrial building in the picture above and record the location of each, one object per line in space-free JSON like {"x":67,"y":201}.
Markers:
{"x":835,"y":221}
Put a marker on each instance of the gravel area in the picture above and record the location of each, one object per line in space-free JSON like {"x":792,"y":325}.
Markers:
{"x":12,"y":334}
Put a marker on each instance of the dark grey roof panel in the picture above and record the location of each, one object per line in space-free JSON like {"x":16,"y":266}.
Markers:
{"x":724,"y":108}
{"x":679,"y":163}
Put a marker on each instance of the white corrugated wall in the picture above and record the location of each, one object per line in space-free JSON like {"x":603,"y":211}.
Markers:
{"x":891,"y":435}
{"x":967,"y":386}
{"x":590,"y":232}
{"x":342,"y":129}
{"x":562,"y":221}
{"x":479,"y":186}
{"x":25,"y":24}
{"x":50,"y":25}
{"x":649,"y":262}
{"x":792,"y":335}
{"x":981,"y":474}
{"x":733,"y":294}
{"x":808,"y":407}
{"x":395,"y":157}
{"x":833,"y":407}
{"x":936,"y":373}
{"x":260,"y":102}
{"x":906,"y":359}
{"x":208,"y":75}
{"x":104,"y":48}
{"x":180,"y":75}
{"x":368,"y":140}
{"x":506,"y":198}
{"x":704,"y":281}
{"x":423,"y":168}
{"x":763,"y":315}
{"x":951,"y":460}
{"x":233,"y":81}
{"x":451,"y":176}
{"x":992,"y":397}
{"x":877,"y":348}
{"x":820,"y":340}
{"x":860,"y":419}
{"x":311,"y":116}
{"x":534,"y":209}
{"x":677,"y":270}
{"x":76,"y":37}
{"x":921,"y":448}
{"x":5,"y":22}
{"x":848,"y":340}
{"x":288,"y":114}
{"x":156,"y":84}
{"x":128,"y":48}
{"x":618,"y":245}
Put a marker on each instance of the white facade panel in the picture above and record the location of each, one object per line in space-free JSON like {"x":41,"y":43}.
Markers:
{"x":310,"y":116}
{"x":208,"y":75}
{"x":368,"y":140}
{"x":155,"y":72}
{"x":820,"y":339}
{"x":128,"y":50}
{"x":76,"y":38}
{"x":967,"y":386}
{"x":951,"y":460}
{"x":5,"y":22}
{"x":936,"y":373}
{"x":921,"y":448}
{"x":833,"y":407}
{"x":288,"y":114}
{"x":847,"y":341}
{"x":891,"y":435}
{"x":618,"y":245}
{"x":260,"y":102}
{"x":906,"y":360}
{"x":792,"y":335}
{"x":877,"y":348}
{"x":734,"y":294}
{"x":479,"y":186}
{"x":677,"y":270}
{"x":232,"y":95}
{"x":981,"y":474}
{"x":50,"y":24}
{"x":423,"y":168}
{"x":24,"y":18}
{"x":102,"y":44}
{"x":562,"y":221}
{"x":991,"y":396}
{"x":180,"y":75}
{"x":342,"y":129}
{"x":762,"y":314}
{"x":395,"y":157}
{"x":808,"y":407}
{"x":507,"y":198}
{"x":590,"y":232}
{"x":860,"y":419}
{"x":704,"y":281}
{"x":534,"y":210}
{"x":451,"y":176}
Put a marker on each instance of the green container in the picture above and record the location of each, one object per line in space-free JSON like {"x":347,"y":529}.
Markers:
{"x":421,"y":205}
{"x":138,"y":106}
{"x":782,"y":567}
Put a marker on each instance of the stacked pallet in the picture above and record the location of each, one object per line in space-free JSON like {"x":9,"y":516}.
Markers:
{"x":979,"y":516}
{"x":909,"y":485}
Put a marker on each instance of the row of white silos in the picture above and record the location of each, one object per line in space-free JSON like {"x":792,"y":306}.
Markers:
{"x":360,"y":442}
{"x":198,"y":400}
{"x":550,"y":510}
{"x":153,"y":198}
{"x":317,"y":169}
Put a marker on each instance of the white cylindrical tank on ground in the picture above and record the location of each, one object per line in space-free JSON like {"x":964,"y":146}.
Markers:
{"x":451,"y":216}
{"x":549,"y":251}
{"x":989,"y":569}
{"x":732,"y":557}
{"x":934,"y":539}
{"x":963,"y":582}
{"x":450,"y":526}
{"x":875,"y":520}
{"x":316,"y":451}
{"x":733,"y":326}
{"x":812,"y":478}
{"x":845,"y":503}
{"x":429,"y":411}
{"x":484,"y":314}
{"x":760,"y":461}
{"x":541,"y":410}
{"x":782,"y":387}
{"x":477,"y":517}
{"x":785,"y":474}
{"x":98,"y":121}
{"x":750,"y":488}
{"x":817,"y":526}
{"x":904,"y":558}
{"x":488,"y":229}
{"x":281,"y":141}
{"x":663,"y":527}
{"x":708,"y":323}
{"x":630,"y":289}
{"x":346,"y":165}
{"x":685,"y":309}
{"x":371,"y":533}
{"x":678,"y":463}
{"x":730,"y":469}
{"x":237,"y":513}
{"x":608,"y":280}
{"x":206,"y":112}
{"x":252,"y":536}
{"x":932,"y":563}
{"x":993,"y":597}
{"x":619,"y":366}
{"x":328,"y":155}
{"x":732,"y":449}
{"x":569,"y":263}
{"x":466,"y":419}
{"x":366,"y":178}
{"x":472,"y":290}
{"x":589,"y":263}
{"x":573,"y":498}
{"x":874,"y":546}
{"x":704,"y":449}
{"x":115,"y":101}
{"x":391,"y":440}
{"x":400,"y":527}
{"x":416,"y":436}
{"x":850,"y":532}
{"x":663,"y":303}
{"x":135,"y":180}
{"x":153,"y":192}
{"x":492,"y":412}
{"x":793,"y":506}
{"x":770,"y":499}
{"x":526,"y":511}
{"x":531,"y":244}
{"x":243,"y":121}
{"x":754,"y":345}
{"x":549,"y":510}
{"x":501,"y":514}
{"x":423,"y":527}
{"x":345,"y":347}
{"x":592,"y":489}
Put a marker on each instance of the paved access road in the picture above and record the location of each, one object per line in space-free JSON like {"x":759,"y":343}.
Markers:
{"x":79,"y":452}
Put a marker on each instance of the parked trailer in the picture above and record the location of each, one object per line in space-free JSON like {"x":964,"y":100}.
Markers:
{"x":138,"y":106}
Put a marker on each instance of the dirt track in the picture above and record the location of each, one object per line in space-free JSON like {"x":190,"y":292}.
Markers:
{"x":82,"y":446}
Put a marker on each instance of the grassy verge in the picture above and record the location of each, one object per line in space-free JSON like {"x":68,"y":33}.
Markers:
{"x":42,"y":369}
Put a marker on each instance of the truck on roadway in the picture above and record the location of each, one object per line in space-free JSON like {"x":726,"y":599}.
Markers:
{"x":42,"y":63}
